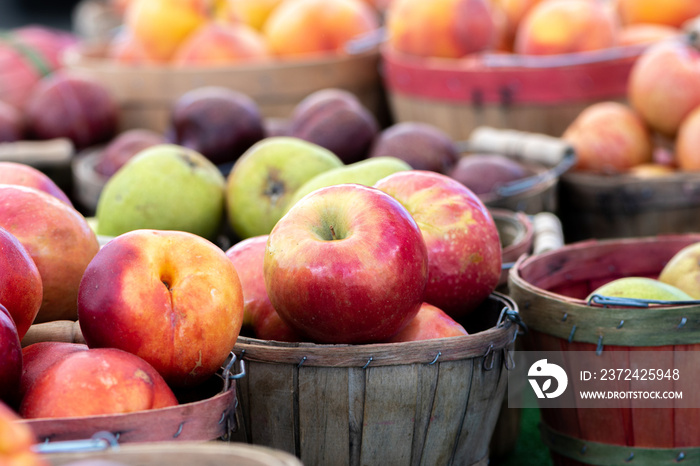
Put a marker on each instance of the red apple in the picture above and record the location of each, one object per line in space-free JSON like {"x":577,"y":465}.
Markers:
{"x":259,"y":316}
{"x":11,"y":123}
{"x":21,"y":289}
{"x":430,"y":322}
{"x":94,"y":382}
{"x":26,"y":175}
{"x":10,"y":357}
{"x":38,"y":357}
{"x":58,"y":239}
{"x":464,"y":249}
{"x":170,"y":297}
{"x":346,"y":264}
{"x":123,"y":147}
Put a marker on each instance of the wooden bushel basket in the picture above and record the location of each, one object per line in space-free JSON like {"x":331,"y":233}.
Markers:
{"x":145,"y":93}
{"x":432,"y":402}
{"x":205,"y":412}
{"x":623,"y":206}
{"x":541,"y":94}
{"x":550,"y":291}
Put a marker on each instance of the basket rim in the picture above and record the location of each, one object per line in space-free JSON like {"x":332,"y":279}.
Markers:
{"x":476,"y":345}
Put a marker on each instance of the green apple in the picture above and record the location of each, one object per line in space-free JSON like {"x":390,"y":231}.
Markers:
{"x":641,"y":288}
{"x":365,"y":172}
{"x":264,"y":179}
{"x":163,"y":187}
{"x":683,"y":270}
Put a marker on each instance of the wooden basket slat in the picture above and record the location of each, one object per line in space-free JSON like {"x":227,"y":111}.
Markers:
{"x":428,"y":376}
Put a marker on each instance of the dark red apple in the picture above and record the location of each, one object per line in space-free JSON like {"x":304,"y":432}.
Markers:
{"x":422,"y":145}
{"x":10,"y":358}
{"x":123,"y":147}
{"x":484,"y":173}
{"x":430,"y":322}
{"x":217,"y":122}
{"x":337,"y":120}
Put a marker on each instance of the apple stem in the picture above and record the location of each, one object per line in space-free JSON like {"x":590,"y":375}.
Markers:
{"x":333,"y":236}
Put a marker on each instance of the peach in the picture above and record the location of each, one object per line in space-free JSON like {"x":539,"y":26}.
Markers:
{"x":662,"y":85}
{"x":170,"y":297}
{"x":16,"y":440}
{"x":566,"y":26}
{"x":669,"y":12}
{"x":609,"y":137}
{"x":26,"y":175}
{"x":430,"y":322}
{"x":125,"y":48}
{"x":38,"y":357}
{"x":686,"y":152}
{"x":162,"y":25}
{"x":651,"y":170}
{"x":303,"y":27}
{"x":254,"y":13}
{"x":441,"y":28}
{"x":259,"y":316}
{"x":646,"y":33}
{"x":221,"y":44}
{"x":95,"y":382}
{"x":59,"y":240}
{"x":10,"y":357}
{"x":514,"y":11}
{"x":21,"y":289}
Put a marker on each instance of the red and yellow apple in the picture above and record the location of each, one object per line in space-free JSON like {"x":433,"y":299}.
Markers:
{"x":662,"y":85}
{"x":26,"y":175}
{"x":464,"y":248}
{"x":58,"y":239}
{"x":171,"y":297}
{"x":21,"y":289}
{"x":441,"y":28}
{"x":430,"y":322}
{"x":609,"y":137}
{"x":16,"y":441}
{"x":313,"y":27}
{"x":259,"y":316}
{"x":38,"y":357}
{"x":10,"y":357}
{"x":95,"y":382}
{"x":346,"y":264}
{"x":566,"y":26}
{"x":216,"y":44}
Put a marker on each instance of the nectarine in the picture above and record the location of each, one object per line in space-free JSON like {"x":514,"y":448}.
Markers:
{"x":16,"y":440}
{"x":688,"y":142}
{"x":221,"y":44}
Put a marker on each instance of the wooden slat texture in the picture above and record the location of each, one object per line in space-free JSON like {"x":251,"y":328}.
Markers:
{"x":428,"y":376}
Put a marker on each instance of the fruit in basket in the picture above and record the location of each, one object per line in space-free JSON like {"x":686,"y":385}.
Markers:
{"x":441,"y":28}
{"x":312,"y":27}
{"x":485,"y":173}
{"x":609,"y":137}
{"x":651,"y":170}
{"x":21,"y":289}
{"x":170,"y":297}
{"x":337,"y":120}
{"x":365,"y":172}
{"x":221,"y":44}
{"x":161,"y":26}
{"x":11,"y":123}
{"x":95,"y":382}
{"x":125,"y":48}
{"x":26,"y":175}
{"x":10,"y":357}
{"x":662,"y":84}
{"x":464,"y":248}
{"x":124,"y":147}
{"x":254,"y":13}
{"x":669,"y":12}
{"x":217,"y":122}
{"x":683,"y":270}
{"x":164,"y":187}
{"x":641,"y":288}
{"x":16,"y":440}
{"x":514,"y":11}
{"x":566,"y":26}
{"x":645,"y":33}
{"x":59,"y":240}
{"x":259,"y":316}
{"x":65,"y":105}
{"x":346,"y":264}
{"x":686,"y":147}
{"x":422,"y":145}
{"x":430,"y":322}
{"x":38,"y":357}
{"x":264,"y":179}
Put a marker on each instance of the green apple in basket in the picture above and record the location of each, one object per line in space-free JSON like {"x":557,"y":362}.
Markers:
{"x":163,"y":187}
{"x":264,"y":179}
